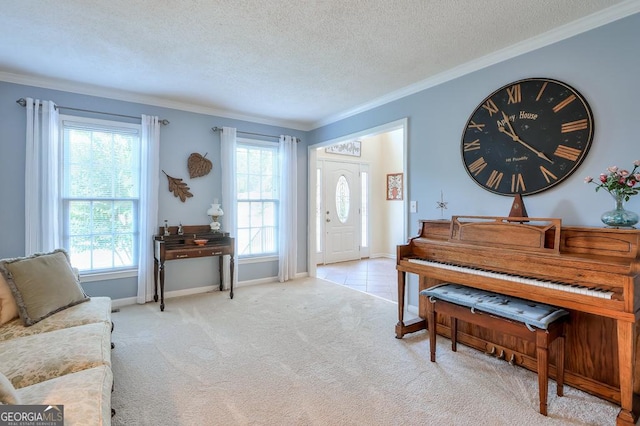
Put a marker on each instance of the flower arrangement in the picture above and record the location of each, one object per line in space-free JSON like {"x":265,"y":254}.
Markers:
{"x":618,"y":182}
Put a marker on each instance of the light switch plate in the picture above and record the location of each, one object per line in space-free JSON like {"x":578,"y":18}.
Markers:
{"x":413,"y":206}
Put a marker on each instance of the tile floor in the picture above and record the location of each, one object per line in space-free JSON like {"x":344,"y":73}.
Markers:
{"x":375,"y":276}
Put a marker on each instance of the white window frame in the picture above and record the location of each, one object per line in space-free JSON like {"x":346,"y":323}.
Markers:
{"x":258,"y":257}
{"x":111,"y":126}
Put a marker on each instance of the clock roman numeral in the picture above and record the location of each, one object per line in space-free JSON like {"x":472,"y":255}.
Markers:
{"x":564,"y":103}
{"x":547,"y":174}
{"x":514,"y":93}
{"x":517,"y":183}
{"x":470,"y":146}
{"x":494,"y":179}
{"x":574,"y":125}
{"x":567,"y":152}
{"x":477,"y":166}
{"x":475,"y":125}
{"x":544,"y":86}
{"x":491,"y":107}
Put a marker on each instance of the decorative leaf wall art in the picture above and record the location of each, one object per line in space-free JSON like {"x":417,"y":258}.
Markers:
{"x":199,"y":165}
{"x":178,"y":187}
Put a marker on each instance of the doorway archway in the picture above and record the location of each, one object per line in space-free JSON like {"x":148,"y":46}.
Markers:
{"x":390,"y":218}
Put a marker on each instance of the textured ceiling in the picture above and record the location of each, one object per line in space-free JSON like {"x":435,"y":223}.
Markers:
{"x":298,"y":63}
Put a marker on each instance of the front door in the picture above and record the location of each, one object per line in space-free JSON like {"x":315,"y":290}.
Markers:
{"x":341,"y":212}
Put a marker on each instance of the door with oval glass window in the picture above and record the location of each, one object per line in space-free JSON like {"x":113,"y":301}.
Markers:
{"x":341,"y":212}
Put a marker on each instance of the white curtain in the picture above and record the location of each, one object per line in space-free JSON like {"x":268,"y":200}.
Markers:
{"x":149,"y":177}
{"x":42,"y":165}
{"x":288,"y":223}
{"x":228,"y":146}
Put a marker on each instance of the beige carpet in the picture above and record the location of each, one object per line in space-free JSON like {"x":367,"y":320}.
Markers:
{"x":310,"y":352}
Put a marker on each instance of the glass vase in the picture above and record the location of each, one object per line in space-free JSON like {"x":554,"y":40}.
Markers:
{"x":619,"y":217}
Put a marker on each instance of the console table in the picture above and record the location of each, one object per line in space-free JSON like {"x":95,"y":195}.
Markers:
{"x":176,"y":247}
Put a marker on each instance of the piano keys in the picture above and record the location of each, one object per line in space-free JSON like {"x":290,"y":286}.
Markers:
{"x":571,"y":288}
{"x":592,"y":272}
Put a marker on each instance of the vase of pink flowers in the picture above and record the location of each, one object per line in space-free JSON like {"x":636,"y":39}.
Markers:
{"x":622,"y":184}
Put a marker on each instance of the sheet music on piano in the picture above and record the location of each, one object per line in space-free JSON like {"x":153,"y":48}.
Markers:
{"x":592,"y":272}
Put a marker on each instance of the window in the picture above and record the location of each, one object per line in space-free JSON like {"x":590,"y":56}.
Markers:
{"x":342,"y":199}
{"x":319,"y":209}
{"x":257,"y":186}
{"x":364,"y":209}
{"x":100,"y":193}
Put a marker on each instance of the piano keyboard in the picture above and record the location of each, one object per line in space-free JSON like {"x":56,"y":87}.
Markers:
{"x":571,"y":288}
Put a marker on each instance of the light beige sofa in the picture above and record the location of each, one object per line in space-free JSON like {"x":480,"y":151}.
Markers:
{"x":63,"y":358}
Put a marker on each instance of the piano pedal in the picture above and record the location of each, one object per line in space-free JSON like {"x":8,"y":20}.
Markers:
{"x":512,"y":360}
{"x":501,"y":356}
{"x":492,"y":351}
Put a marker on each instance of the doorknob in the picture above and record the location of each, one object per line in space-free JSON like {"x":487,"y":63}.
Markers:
{"x":328,"y":220}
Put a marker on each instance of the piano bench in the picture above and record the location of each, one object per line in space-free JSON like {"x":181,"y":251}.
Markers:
{"x":531,"y":321}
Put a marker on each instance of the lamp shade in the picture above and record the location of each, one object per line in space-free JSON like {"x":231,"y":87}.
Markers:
{"x":215,"y":210}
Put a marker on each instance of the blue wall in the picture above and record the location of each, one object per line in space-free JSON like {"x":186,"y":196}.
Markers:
{"x":602,"y":64}
{"x":187,"y":133}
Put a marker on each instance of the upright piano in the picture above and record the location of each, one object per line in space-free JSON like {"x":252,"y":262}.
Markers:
{"x":592,"y":272}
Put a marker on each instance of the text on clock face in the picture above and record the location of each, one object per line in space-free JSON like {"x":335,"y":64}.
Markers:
{"x":516,"y":159}
{"x":524,"y":115}
{"x":527,"y":137}
{"x":528,"y":115}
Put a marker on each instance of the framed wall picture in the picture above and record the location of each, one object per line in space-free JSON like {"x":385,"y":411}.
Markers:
{"x":394,"y":186}
{"x":345,"y":148}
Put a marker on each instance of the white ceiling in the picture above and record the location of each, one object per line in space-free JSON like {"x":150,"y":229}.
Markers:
{"x":296,"y":63}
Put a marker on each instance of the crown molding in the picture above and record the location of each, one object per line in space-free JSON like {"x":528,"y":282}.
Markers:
{"x":121,"y":95}
{"x":563,"y":32}
{"x":603,"y":17}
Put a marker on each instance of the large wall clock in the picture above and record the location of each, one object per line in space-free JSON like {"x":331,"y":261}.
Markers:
{"x":527,"y":136}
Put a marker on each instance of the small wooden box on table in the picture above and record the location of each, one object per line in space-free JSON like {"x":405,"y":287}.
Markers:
{"x":176,"y":247}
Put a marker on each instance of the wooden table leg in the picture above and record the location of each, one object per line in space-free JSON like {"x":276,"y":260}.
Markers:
{"x":220,"y":262}
{"x":231,"y":268}
{"x":162,"y":286}
{"x":155,"y":280}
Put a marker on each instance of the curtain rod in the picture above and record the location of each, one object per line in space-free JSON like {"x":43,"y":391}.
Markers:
{"x":219,"y":129}
{"x":23,"y":102}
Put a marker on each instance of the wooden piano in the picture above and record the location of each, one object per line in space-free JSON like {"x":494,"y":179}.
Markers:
{"x":592,"y":272}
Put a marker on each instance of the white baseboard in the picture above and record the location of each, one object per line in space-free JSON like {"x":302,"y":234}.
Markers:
{"x":118,"y":303}
{"x":386,"y":255}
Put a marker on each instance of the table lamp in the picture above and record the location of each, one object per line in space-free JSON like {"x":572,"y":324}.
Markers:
{"x":215,"y":212}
